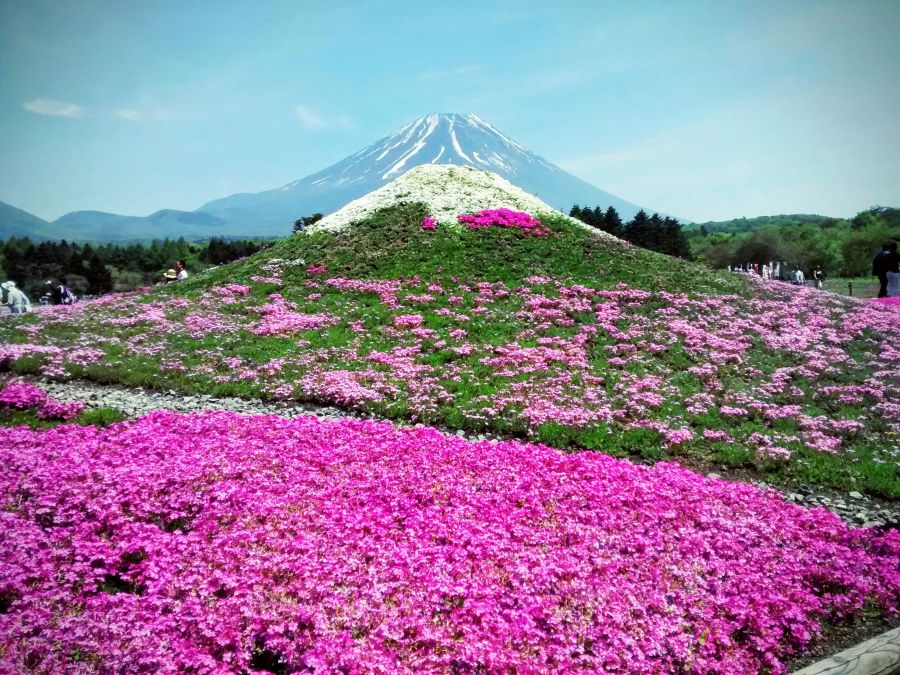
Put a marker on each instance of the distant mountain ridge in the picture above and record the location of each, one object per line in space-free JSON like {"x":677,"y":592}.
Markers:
{"x":15,"y":222}
{"x":438,"y":138}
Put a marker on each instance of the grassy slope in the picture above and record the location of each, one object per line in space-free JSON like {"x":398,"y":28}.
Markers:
{"x":443,"y":387}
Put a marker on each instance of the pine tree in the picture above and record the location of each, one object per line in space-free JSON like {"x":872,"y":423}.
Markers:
{"x":613,"y":222}
{"x":98,"y":276}
{"x":637,"y":229}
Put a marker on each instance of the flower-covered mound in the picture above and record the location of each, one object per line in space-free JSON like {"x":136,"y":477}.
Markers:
{"x":221,"y":543}
{"x":448,"y":190}
{"x":20,"y":395}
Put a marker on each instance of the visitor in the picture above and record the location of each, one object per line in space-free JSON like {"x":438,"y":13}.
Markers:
{"x":170,"y":275}
{"x":818,"y":277}
{"x":181,"y":272}
{"x":893,"y":272}
{"x":880,"y":265}
{"x":18,"y":302}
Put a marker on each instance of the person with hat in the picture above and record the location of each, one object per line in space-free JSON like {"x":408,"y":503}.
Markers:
{"x":18,"y":302}
{"x":170,"y":275}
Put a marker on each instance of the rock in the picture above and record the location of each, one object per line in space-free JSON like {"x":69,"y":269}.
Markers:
{"x":855,"y":495}
{"x":873,"y":523}
{"x":713,"y":475}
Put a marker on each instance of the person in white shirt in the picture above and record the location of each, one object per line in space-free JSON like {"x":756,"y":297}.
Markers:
{"x":18,"y":302}
{"x":180,"y":271}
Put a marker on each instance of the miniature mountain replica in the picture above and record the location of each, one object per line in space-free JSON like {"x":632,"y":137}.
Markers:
{"x":221,"y":542}
{"x":447,"y":191}
{"x":437,"y":139}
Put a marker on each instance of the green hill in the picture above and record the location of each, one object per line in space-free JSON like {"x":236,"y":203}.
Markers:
{"x":569,"y":337}
{"x":18,"y":223}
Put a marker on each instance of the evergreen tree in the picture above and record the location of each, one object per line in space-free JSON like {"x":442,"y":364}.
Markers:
{"x":613,"y":222}
{"x":638,"y":228}
{"x":304,"y":222}
{"x":598,"y":220}
{"x":98,"y":276}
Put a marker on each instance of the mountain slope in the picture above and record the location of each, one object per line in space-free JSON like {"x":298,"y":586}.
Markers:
{"x":18,"y":223}
{"x":101,"y":226}
{"x":464,"y":140}
{"x":447,"y":190}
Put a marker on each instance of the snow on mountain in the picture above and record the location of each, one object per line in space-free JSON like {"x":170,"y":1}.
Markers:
{"x":436,"y":139}
{"x":448,"y":190}
{"x":462,"y":140}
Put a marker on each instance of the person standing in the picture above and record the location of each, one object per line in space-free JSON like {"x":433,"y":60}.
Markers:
{"x":18,"y":302}
{"x":892,"y":264}
{"x":880,"y":264}
{"x":818,"y":277}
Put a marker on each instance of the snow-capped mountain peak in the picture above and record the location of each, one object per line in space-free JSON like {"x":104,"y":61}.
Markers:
{"x":437,"y":138}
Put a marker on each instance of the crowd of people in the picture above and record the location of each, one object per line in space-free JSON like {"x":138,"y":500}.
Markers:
{"x":781,"y":271}
{"x":59,"y":293}
{"x":885,"y":267}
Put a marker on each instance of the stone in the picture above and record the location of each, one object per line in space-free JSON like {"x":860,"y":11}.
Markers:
{"x":713,"y":475}
{"x":855,"y":495}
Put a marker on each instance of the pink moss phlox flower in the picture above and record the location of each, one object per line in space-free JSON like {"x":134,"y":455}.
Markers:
{"x":192,"y":543}
{"x":429,"y":224}
{"x":21,"y":395}
{"x":505,"y":218}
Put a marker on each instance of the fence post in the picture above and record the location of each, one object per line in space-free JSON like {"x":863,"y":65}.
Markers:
{"x":849,"y":288}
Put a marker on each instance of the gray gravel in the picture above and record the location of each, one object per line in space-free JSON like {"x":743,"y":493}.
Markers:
{"x":854,"y":507}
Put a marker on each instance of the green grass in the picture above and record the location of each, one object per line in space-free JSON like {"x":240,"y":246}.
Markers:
{"x":391,"y":245}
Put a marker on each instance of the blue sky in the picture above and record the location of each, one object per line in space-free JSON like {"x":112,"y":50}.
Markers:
{"x":707,"y":110}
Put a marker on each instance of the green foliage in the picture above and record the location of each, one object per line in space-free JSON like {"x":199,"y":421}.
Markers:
{"x":100,"y":417}
{"x":663,"y":235}
{"x":840,"y":247}
{"x":119,"y":267}
{"x":302,"y":223}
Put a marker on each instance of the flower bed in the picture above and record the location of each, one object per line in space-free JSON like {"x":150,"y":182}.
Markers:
{"x":504,"y":218}
{"x":20,"y":395}
{"x":221,"y":542}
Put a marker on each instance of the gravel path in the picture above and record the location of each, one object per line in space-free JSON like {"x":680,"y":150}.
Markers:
{"x":854,"y":507}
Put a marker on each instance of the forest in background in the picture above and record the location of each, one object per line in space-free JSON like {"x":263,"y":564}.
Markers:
{"x":841,"y":247}
{"x":97,"y":269}
{"x":657,"y":233}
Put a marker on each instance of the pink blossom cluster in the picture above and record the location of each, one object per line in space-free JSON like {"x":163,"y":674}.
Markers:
{"x":230,"y":290}
{"x":21,"y":395}
{"x":218,"y":542}
{"x":429,"y":224}
{"x":505,"y":218}
{"x":279,"y":317}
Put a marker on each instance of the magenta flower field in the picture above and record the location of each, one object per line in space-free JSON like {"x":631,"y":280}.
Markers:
{"x":219,"y":542}
{"x":570,"y":541}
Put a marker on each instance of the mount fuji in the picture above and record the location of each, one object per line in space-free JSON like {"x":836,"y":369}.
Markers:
{"x":439,"y":138}
{"x":465,"y":140}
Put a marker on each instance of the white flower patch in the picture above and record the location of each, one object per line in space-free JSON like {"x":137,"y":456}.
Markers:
{"x":448,"y":190}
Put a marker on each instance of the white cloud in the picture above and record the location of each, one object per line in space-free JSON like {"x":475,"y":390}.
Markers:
{"x":143,"y":114}
{"x":130,"y":114}
{"x":313,"y":120}
{"x":54,"y":108}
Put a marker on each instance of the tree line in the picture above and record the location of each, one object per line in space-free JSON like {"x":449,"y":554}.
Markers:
{"x":96,"y":269}
{"x":841,"y":247}
{"x":657,"y":233}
